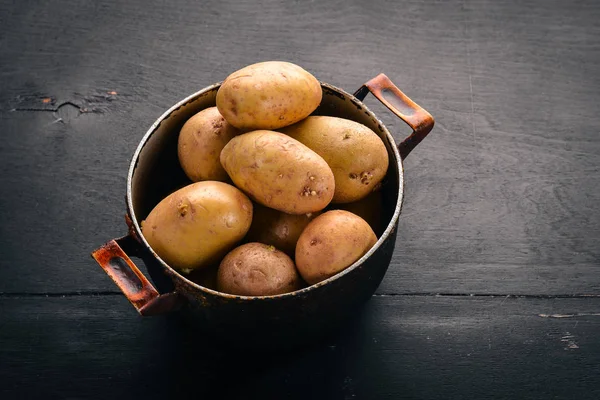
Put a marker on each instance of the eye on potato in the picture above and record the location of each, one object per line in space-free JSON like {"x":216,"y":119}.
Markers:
{"x":331,"y":243}
{"x":196,"y":225}
{"x":279,"y":172}
{"x":257,"y":269}
{"x":200,"y":142}
{"x":268,"y":95}
{"x":355,"y":154}
{"x":278,"y":229}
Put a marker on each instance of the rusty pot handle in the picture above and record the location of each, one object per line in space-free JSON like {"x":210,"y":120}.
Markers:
{"x":139,"y":291}
{"x":400,"y":104}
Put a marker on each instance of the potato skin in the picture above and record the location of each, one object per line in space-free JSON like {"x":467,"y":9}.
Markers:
{"x":278,"y":229}
{"x":196,"y":225}
{"x":279,"y":172}
{"x":356,"y":155}
{"x":257,"y":269}
{"x":331,"y":243}
{"x":268,"y":95}
{"x":201,"y":140}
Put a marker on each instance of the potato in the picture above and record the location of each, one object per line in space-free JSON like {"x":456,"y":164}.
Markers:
{"x":356,"y":155}
{"x":368,"y":209}
{"x":196,"y":225}
{"x":268,"y":95}
{"x":200,"y":143}
{"x":331,"y":243}
{"x":278,"y":229}
{"x":279,"y":172}
{"x":257,"y":269}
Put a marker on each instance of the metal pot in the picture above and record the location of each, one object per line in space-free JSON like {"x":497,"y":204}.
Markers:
{"x":269,"y":321}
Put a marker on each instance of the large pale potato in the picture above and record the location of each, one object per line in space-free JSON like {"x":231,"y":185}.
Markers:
{"x":196,"y":225}
{"x":331,"y":243}
{"x":200,"y":142}
{"x":279,"y":172}
{"x":257,"y":269}
{"x":356,"y":155}
{"x":277,"y":228}
{"x":268,"y":95}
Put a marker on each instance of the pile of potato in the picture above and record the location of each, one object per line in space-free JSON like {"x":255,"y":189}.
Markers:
{"x":288,"y":185}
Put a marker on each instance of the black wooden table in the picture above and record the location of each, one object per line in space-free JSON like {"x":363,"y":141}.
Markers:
{"x":494,"y":288}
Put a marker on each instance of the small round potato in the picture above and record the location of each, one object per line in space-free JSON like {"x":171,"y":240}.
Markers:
{"x":356,"y":155}
{"x":268,"y":95}
{"x":201,"y":140}
{"x":196,"y":225}
{"x":331,"y":243}
{"x":278,"y":229}
{"x":279,"y":172}
{"x":257,"y":269}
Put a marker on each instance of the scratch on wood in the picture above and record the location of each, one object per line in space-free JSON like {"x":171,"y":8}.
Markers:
{"x":569,"y":340}
{"x":568,"y":315}
{"x":472,"y":109}
{"x":96,"y":102}
{"x":470,"y":69}
{"x":52,"y":109}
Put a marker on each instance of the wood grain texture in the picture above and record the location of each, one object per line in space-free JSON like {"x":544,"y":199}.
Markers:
{"x":400,"y":347}
{"x":519,"y":192}
{"x":500,"y":197}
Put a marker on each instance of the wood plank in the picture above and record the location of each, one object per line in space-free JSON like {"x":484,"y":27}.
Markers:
{"x":519,"y":215}
{"x":399,"y":347}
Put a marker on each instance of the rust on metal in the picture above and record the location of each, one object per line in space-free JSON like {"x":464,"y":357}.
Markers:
{"x":134,"y":285}
{"x":400,"y":104}
{"x":131,"y":228}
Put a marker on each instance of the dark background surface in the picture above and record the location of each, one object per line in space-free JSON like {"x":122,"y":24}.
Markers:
{"x":494,"y":288}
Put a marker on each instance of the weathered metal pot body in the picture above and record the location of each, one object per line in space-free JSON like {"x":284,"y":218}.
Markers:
{"x":263,"y":322}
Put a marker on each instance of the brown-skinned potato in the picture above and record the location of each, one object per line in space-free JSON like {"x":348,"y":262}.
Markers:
{"x":278,"y":229}
{"x":200,"y":142}
{"x":268,"y":95}
{"x":257,"y":269}
{"x":279,"y":172}
{"x":331,"y":243}
{"x":196,"y":225}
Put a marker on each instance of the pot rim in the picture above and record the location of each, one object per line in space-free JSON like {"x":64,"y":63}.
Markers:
{"x":175,"y":274}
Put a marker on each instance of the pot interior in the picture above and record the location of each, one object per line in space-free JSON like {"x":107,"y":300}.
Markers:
{"x":155,"y":171}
